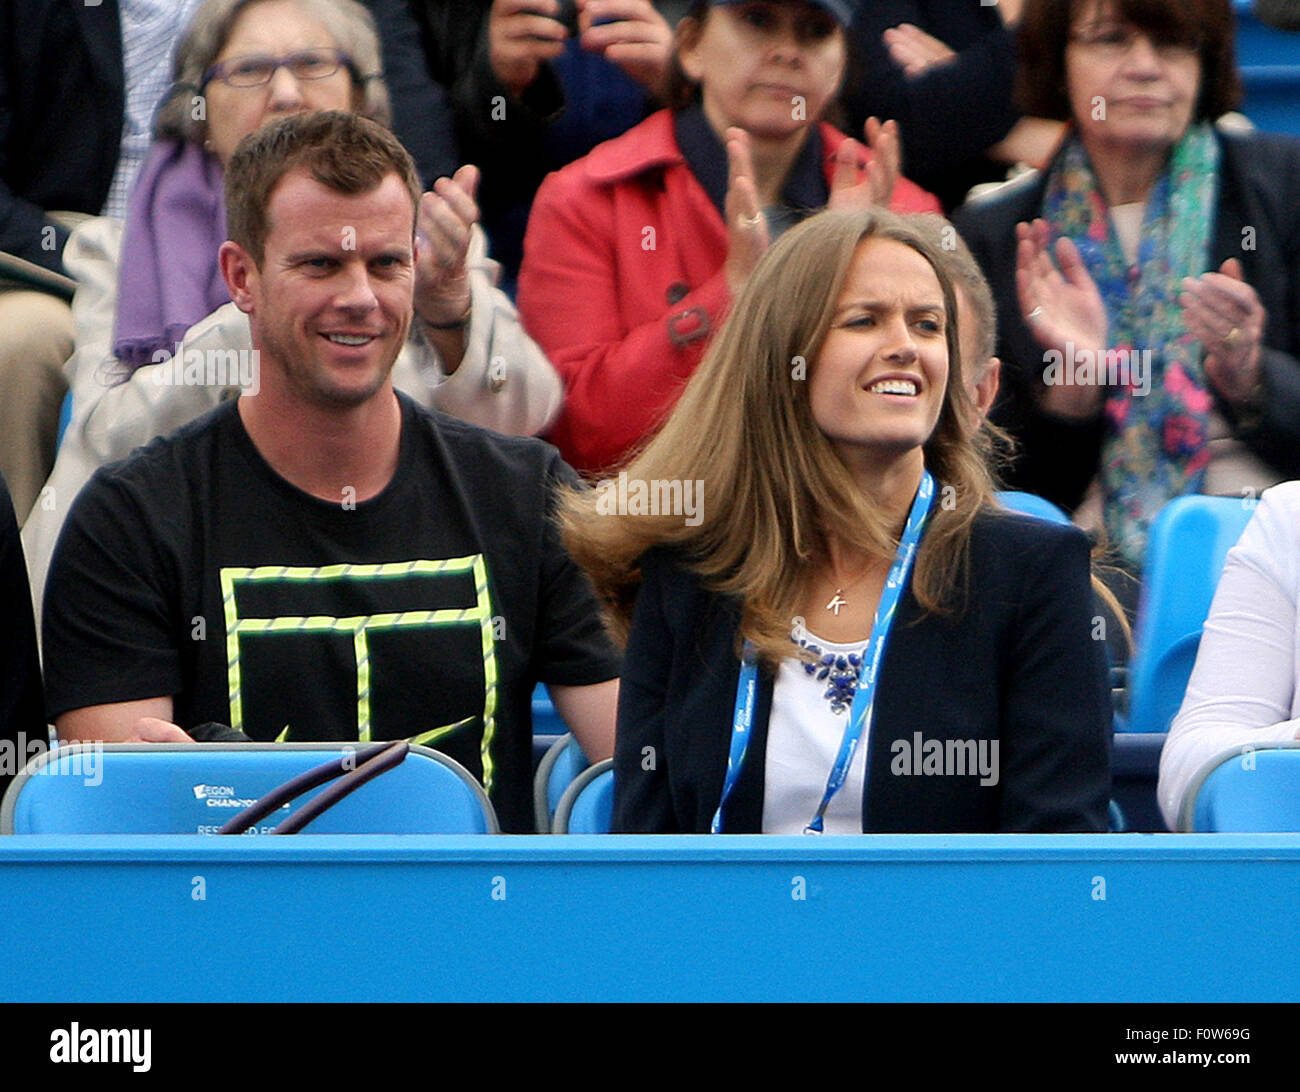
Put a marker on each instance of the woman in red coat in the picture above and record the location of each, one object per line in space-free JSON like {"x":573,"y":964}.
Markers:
{"x":634,"y":252}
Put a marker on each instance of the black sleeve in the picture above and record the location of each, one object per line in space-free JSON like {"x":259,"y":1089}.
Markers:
{"x":642,"y":801}
{"x":500,"y":134}
{"x":106,"y":626}
{"x":489,"y":118}
{"x":572,"y":647}
{"x":955,"y":111}
{"x":1057,"y":719}
{"x":22,"y":716}
{"x":421,"y":113}
{"x":1274,"y":432}
{"x":505,"y":136}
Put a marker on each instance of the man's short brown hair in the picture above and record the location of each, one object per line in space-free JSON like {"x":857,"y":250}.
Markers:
{"x":966,"y":275}
{"x":1206,"y":25}
{"x":344,"y":152}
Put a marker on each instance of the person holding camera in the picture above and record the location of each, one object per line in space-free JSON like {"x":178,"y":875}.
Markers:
{"x":635,"y":252}
{"x":536,"y":84}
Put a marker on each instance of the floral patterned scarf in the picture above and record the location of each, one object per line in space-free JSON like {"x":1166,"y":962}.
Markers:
{"x":1155,"y":445}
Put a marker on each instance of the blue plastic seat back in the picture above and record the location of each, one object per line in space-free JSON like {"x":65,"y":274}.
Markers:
{"x":1188,"y":544}
{"x":1031,"y":504}
{"x":588,"y":804}
{"x":65,"y":419}
{"x":195,"y":788}
{"x":1249,"y":791}
{"x":569,"y":763}
{"x":560,"y":766}
{"x":546,"y":721}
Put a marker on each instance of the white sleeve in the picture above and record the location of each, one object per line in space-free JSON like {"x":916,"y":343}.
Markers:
{"x":504,"y":381}
{"x":1242,"y":689}
{"x":92,"y":257}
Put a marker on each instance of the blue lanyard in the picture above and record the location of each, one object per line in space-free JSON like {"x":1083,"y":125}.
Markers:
{"x":864,"y":698}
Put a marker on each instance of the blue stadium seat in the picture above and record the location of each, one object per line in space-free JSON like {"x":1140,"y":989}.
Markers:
{"x":1246,"y":790}
{"x":155,"y":788}
{"x":65,"y":418}
{"x":1031,"y":504}
{"x":1186,"y":549}
{"x":1135,"y":767}
{"x":546,"y":721}
{"x":1272,"y":100}
{"x":1270,"y":72}
{"x":555,"y":773}
{"x":587,"y":806}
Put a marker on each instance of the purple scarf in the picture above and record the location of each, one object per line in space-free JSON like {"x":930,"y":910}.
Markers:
{"x":168,"y":278}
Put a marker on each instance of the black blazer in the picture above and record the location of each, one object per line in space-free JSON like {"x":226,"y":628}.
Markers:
{"x":1255,"y":220}
{"x":62,"y":101}
{"x":1018,"y":665}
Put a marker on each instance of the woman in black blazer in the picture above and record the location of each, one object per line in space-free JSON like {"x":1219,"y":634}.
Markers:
{"x":820,"y":500}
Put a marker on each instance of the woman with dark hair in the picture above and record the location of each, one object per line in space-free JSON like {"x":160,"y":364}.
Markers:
{"x":1147,"y":279}
{"x":634,"y":252}
{"x":788,"y":667}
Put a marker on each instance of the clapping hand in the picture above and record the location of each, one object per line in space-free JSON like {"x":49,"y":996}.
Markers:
{"x":1063,"y":309}
{"x":747,"y":235}
{"x":882,"y":171}
{"x":1224,"y":313}
{"x":446,"y":217}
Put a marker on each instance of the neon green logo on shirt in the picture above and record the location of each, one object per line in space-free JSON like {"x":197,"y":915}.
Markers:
{"x":361,"y":626}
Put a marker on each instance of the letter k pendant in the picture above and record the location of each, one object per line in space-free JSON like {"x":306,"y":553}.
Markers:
{"x":836,"y":602}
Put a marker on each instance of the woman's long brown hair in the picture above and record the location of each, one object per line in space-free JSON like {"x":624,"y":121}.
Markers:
{"x":773,"y":490}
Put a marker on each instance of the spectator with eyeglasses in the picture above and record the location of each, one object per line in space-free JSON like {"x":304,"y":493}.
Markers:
{"x":79,"y":85}
{"x":1157,"y":243}
{"x":152,"y":301}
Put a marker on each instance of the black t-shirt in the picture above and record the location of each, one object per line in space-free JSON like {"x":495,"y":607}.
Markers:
{"x":429,"y":612}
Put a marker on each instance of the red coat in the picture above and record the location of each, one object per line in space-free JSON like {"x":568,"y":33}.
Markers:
{"x":622,"y":283}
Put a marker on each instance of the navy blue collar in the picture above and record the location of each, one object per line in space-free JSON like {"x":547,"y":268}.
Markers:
{"x":805,"y":189}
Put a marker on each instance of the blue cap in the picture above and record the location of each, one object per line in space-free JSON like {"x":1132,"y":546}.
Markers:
{"x":838,"y":8}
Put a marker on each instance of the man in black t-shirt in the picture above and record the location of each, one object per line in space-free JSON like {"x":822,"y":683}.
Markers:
{"x":326,"y":560}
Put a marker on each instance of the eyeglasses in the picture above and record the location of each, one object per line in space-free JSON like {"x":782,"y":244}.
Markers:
{"x":1113,"y":42}
{"x":257,"y":70}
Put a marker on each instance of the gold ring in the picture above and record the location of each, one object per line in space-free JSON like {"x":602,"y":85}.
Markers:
{"x":1233,"y":336}
{"x":751,"y":221}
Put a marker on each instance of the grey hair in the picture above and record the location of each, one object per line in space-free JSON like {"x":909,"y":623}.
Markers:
{"x":350,"y":25}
